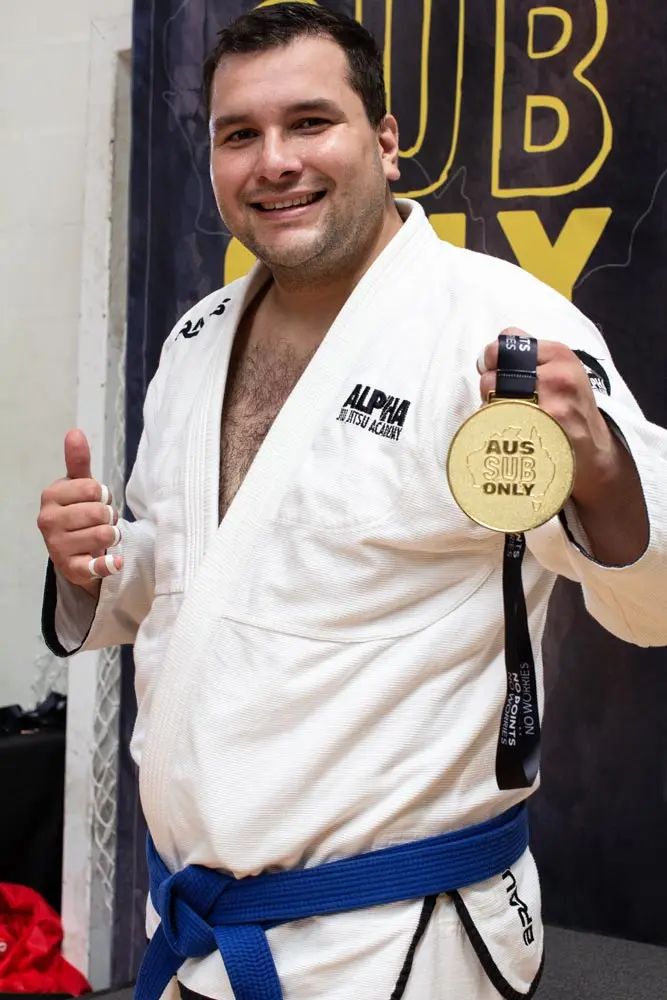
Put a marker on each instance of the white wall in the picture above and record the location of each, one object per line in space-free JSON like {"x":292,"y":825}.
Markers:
{"x":44,"y":69}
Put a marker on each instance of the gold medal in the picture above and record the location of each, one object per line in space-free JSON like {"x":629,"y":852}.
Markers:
{"x":510,"y":466}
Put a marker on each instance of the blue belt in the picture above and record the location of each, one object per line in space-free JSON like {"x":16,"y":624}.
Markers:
{"x":203,"y":910}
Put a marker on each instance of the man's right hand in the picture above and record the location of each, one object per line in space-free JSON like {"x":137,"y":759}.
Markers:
{"x":77,"y":527}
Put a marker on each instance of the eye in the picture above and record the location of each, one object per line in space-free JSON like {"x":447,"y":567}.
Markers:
{"x":312,"y":123}
{"x":241,"y":135}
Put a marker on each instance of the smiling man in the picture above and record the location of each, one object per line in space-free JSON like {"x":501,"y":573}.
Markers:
{"x":338,"y":713}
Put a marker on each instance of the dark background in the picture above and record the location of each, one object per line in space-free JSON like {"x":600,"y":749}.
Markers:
{"x":599,"y":821}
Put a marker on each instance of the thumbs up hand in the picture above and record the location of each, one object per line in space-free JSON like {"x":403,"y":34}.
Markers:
{"x":78,"y":522}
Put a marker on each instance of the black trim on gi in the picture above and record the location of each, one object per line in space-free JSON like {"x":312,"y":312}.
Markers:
{"x":49,"y":603}
{"x":493,"y":972}
{"x":562,"y":517}
{"x":424,"y":918}
{"x":496,"y":978}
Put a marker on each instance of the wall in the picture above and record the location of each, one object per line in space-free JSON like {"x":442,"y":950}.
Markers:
{"x":44,"y":70}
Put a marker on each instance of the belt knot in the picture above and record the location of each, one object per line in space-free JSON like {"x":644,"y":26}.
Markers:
{"x":184,"y":902}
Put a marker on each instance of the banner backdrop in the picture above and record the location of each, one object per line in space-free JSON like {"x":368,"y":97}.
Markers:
{"x":533,"y":133}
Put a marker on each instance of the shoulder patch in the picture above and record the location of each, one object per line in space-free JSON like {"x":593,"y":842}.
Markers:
{"x":597,"y":376}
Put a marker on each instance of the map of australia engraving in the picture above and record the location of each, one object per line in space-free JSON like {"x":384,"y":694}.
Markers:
{"x":511,"y":464}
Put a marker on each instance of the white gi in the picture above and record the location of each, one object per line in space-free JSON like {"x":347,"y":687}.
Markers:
{"x":323,"y":673}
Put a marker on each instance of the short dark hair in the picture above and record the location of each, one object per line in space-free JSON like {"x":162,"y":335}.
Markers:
{"x":282,"y":23}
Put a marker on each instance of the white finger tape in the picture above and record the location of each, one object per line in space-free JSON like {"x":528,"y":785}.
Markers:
{"x":105,"y":494}
{"x":112,"y":513}
{"x":110,"y":565}
{"x":116,"y":537}
{"x":481,"y":364}
{"x":93,"y":572}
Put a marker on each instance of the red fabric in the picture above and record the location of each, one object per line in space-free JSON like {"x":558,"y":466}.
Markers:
{"x":30,"y":938}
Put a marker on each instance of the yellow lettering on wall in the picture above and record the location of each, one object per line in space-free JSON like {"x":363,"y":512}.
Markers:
{"x":238,"y":260}
{"x":432,"y":186}
{"x":578,"y":73}
{"x":423,"y":78}
{"x":558,"y":264}
{"x":450,"y":227}
{"x":272,"y":3}
{"x":562,"y":131}
{"x":566,"y":35}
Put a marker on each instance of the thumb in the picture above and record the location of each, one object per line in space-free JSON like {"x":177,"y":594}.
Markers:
{"x":77,"y":455}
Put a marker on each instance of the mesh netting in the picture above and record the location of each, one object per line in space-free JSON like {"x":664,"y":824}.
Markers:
{"x":50,"y":674}
{"x":107,"y":704}
{"x":105,"y":755}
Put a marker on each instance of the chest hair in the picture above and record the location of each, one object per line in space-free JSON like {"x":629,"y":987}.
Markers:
{"x":261,"y":377}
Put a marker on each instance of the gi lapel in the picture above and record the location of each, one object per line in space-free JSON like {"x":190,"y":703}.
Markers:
{"x":371,"y":305}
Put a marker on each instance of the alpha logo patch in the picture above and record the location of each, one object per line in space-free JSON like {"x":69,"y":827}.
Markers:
{"x":375,"y":411}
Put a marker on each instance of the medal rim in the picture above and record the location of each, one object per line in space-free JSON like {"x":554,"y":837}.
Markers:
{"x":504,"y":401}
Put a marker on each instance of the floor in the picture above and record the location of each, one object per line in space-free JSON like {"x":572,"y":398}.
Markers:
{"x":589,"y":967}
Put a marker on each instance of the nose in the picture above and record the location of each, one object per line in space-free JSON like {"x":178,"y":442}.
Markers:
{"x":279,"y":157}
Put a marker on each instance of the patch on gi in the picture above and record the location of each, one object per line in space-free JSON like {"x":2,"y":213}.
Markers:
{"x":375,"y":411}
{"x":192,"y":329}
{"x":597,"y":376}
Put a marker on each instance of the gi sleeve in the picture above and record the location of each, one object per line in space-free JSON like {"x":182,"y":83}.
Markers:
{"x":72,"y":619}
{"x":629,"y":601}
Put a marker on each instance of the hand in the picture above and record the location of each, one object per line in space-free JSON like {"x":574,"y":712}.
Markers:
{"x":76,"y":525}
{"x":564,"y":391}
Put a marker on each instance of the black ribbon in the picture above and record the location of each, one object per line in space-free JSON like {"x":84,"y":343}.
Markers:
{"x":517,"y":366}
{"x":518,"y":752}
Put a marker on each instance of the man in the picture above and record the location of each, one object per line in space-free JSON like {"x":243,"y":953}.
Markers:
{"x":319,"y":630}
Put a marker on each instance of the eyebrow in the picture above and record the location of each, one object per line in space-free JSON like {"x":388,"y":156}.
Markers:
{"x":223,"y":122}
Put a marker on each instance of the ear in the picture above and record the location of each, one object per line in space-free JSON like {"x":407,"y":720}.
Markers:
{"x":388,"y":143}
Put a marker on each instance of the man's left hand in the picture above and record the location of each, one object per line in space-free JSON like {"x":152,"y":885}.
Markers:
{"x":607,"y":489}
{"x":564,"y":391}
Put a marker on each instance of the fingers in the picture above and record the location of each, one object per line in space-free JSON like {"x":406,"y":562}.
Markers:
{"x":81,"y":556}
{"x":562,"y":384}
{"x":487,"y":384}
{"x":55,"y":518}
{"x":77,"y":531}
{"x":72,"y":491}
{"x":107,"y":565}
{"x":79,"y":522}
{"x":77,"y":455}
{"x":64,"y":546}
{"x":547,"y":350}
{"x":78,"y":516}
{"x":83,"y":570}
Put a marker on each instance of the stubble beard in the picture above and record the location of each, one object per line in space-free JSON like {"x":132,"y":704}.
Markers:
{"x":335,"y":251}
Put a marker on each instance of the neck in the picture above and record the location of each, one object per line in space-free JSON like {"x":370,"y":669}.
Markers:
{"x":316,"y":299}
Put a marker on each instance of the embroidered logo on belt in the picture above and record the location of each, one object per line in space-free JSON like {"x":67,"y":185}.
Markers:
{"x":375,"y":411}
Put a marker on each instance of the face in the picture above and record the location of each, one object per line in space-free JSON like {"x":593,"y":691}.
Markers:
{"x":299,"y":174}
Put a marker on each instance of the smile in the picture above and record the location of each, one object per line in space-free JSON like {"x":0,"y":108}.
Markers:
{"x":275,"y":206}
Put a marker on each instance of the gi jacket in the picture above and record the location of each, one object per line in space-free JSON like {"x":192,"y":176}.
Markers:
{"x":323,"y":673}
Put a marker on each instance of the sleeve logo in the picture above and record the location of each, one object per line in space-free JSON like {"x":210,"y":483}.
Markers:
{"x":597,"y":376}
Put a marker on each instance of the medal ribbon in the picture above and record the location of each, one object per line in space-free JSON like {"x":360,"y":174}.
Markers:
{"x":518,"y":752}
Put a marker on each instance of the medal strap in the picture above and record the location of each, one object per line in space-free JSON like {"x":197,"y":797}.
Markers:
{"x":518,"y":752}
{"x":517,"y":367}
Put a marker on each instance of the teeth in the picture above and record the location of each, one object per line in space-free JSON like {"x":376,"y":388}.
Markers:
{"x":273,"y":206}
